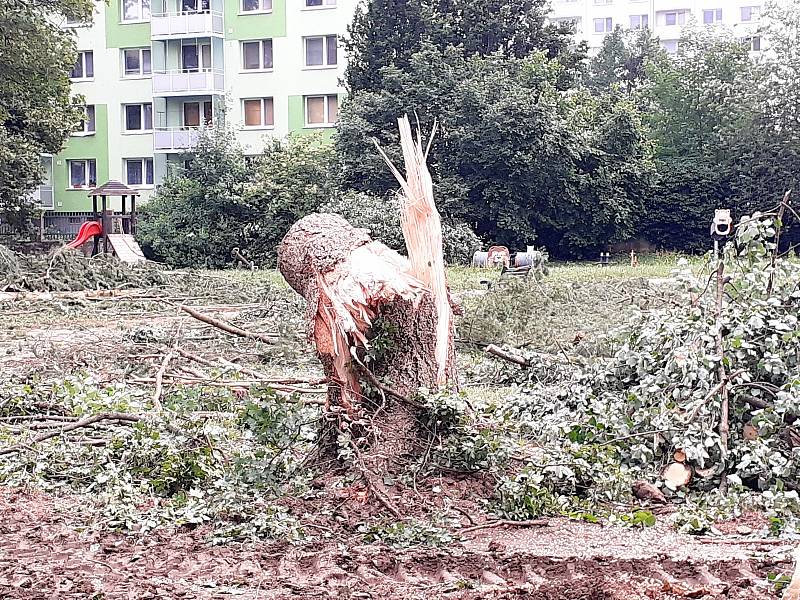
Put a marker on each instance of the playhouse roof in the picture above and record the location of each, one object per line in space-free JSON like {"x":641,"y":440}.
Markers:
{"x":113,"y":188}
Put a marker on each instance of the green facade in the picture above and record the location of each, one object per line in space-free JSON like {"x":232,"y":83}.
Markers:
{"x":254,"y":27}
{"x":297,"y":119}
{"x":90,"y":146}
{"x":124,"y":35}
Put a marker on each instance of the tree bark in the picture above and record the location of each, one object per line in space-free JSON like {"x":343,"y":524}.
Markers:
{"x":357,"y":289}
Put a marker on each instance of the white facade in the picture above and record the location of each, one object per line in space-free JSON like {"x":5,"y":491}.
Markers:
{"x":666,"y":18}
{"x":154,"y":72}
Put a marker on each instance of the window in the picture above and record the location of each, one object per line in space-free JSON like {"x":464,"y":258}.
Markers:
{"x":196,"y":58}
{"x":136,"y":62}
{"x":87,"y":125}
{"x":320,"y":3}
{"x":82,"y":173}
{"x":753,"y":43}
{"x":711,"y":16}
{"x":139,"y":171}
{"x":639,"y":21}
{"x":671,"y":46}
{"x":322,"y":110}
{"x":138,"y":117}
{"x":258,"y":112}
{"x":256,"y":6}
{"x":84,"y":66}
{"x":257,"y":55}
{"x":675,"y":17}
{"x":321,"y":51}
{"x":135,"y":10}
{"x":750,"y":13}
{"x":605,"y":25}
{"x":195,"y":6}
{"x":191,"y":113}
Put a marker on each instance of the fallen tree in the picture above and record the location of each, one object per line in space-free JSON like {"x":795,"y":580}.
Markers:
{"x":382,"y":324}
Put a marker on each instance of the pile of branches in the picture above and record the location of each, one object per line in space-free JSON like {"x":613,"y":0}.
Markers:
{"x":67,"y":270}
{"x":703,"y":394}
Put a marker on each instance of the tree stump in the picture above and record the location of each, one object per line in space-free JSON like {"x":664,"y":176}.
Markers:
{"x":357,"y":291}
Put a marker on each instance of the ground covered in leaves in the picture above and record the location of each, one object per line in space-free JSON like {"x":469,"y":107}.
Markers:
{"x":147,"y":452}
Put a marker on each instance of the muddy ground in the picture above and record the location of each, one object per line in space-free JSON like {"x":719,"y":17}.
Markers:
{"x":43,"y":556}
{"x":47,"y":549}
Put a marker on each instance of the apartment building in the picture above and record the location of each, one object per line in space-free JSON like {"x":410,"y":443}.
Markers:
{"x":154,"y":72}
{"x":666,"y":18}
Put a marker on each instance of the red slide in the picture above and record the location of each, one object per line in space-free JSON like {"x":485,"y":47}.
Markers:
{"x":87,"y":231}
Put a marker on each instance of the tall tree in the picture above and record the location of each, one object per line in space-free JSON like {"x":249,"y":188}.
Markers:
{"x":515,"y":157}
{"x":36,"y":111}
{"x":623,"y":59}
{"x":386,"y":33}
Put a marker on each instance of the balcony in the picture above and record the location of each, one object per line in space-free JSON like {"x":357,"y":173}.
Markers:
{"x":188,"y":83}
{"x":165,"y":26}
{"x":175,"y":139}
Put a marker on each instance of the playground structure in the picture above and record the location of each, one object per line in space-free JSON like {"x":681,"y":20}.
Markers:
{"x":111,"y":232}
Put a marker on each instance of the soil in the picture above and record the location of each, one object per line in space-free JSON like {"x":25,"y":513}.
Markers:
{"x":44,"y":555}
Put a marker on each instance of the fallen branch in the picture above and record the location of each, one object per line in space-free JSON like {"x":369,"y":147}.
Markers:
{"x":505,"y":355}
{"x":160,"y":382}
{"x":109,"y":416}
{"x":226,"y":327}
{"x":507,"y":523}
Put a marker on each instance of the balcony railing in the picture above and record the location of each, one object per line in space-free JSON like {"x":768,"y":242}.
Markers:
{"x":170,"y":139}
{"x":180,"y":24}
{"x":185,"y":82}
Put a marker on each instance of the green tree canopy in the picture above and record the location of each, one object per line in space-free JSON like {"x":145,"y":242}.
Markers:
{"x":387,"y":33}
{"x":36,"y":111}
{"x":515,"y":157}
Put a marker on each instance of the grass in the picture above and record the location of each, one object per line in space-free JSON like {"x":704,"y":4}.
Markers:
{"x":463,"y":279}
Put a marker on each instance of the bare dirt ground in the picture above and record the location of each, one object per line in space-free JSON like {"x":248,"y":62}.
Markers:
{"x":48,"y":551}
{"x":43,"y":556}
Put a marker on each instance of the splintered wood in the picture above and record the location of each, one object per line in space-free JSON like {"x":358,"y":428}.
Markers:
{"x":348,"y":280}
{"x":422,"y":230}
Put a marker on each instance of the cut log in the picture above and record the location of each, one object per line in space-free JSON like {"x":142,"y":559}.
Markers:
{"x":644,"y":490}
{"x":793,"y":591}
{"x":359,"y":291}
{"x":679,"y":456}
{"x":676,"y":475}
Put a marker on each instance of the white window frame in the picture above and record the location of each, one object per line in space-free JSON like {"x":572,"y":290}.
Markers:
{"x":680,"y":17}
{"x":644,"y":21}
{"x":141,"y":74}
{"x":261,"y":10}
{"x":261,"y":68}
{"x":324,"y":39}
{"x":87,"y":185}
{"x":142,"y":120}
{"x":82,"y":58}
{"x":263,"y":113}
{"x":327,"y":122}
{"x":664,"y":45}
{"x":748,"y":41}
{"x":755,"y":14}
{"x":143,"y":160}
{"x":326,"y":5}
{"x":603,"y":2}
{"x":716,"y":16}
{"x":84,"y":131}
{"x":141,"y":18}
{"x":608,"y":25}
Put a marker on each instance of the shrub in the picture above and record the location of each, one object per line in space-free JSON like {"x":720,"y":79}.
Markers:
{"x":381,"y":215}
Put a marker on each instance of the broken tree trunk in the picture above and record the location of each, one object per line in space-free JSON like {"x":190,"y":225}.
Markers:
{"x":382,"y":324}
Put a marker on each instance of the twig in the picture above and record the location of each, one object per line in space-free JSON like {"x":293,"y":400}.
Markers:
{"x":227,"y":327}
{"x":109,"y":416}
{"x":779,"y":226}
{"x":500,"y":353}
{"x":507,"y":523}
{"x":378,"y":493}
{"x":633,"y":435}
{"x":160,"y":382}
{"x":385,"y":388}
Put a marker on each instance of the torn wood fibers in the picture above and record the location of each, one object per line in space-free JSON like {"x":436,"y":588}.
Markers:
{"x":349,"y":280}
